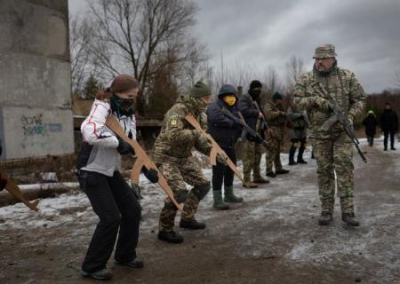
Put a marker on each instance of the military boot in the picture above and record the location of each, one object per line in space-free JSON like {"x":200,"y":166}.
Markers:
{"x":170,"y":237}
{"x":260,"y":180}
{"x":292,"y":151}
{"x":219,"y":204}
{"x":230,"y":196}
{"x":250,"y":184}
{"x":349,"y":219}
{"x":192,"y":224}
{"x":282,"y":172}
{"x":325,"y":219}
{"x":300,"y":159}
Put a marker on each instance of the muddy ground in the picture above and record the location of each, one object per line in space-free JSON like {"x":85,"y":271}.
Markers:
{"x":272,"y":238}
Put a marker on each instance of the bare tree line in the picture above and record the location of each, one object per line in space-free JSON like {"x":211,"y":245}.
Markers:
{"x":151,"y":40}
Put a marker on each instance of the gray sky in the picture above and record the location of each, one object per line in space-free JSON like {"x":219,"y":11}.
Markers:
{"x":265,"y":33}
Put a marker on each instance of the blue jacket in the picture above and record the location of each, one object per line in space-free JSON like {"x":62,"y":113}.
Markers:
{"x":223,"y":129}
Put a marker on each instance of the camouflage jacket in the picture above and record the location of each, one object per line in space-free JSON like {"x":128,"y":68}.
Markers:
{"x":341,"y":84}
{"x":275,"y":114}
{"x":177,"y":137}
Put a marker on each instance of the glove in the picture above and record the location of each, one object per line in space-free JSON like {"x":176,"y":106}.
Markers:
{"x":124,"y":148}
{"x":200,"y":137}
{"x":322,"y":104}
{"x":151,"y":175}
{"x":222,"y":159}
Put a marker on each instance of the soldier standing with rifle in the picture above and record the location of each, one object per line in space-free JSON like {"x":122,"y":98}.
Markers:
{"x":334,"y":98}
{"x":252,"y":148}
{"x":276,"y":119}
{"x":172,"y":153}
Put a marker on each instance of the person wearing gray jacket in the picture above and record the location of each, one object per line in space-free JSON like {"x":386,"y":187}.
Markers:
{"x":298,"y":123}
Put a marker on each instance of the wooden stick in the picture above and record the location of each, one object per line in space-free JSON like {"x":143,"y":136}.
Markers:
{"x":142,"y":160}
{"x":13,"y":188}
{"x":216,"y":150}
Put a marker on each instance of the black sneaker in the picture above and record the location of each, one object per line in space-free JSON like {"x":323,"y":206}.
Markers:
{"x":325,"y":219}
{"x":170,"y":237}
{"x":103,"y":274}
{"x":192,"y":224}
{"x":271,"y":174}
{"x":282,"y":172}
{"x":136,"y":263}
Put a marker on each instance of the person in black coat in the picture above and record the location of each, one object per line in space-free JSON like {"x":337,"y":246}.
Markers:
{"x":370,"y":124}
{"x":226,"y":132}
{"x":389,"y":125}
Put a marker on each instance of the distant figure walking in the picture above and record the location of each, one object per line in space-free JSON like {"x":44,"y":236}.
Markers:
{"x":389,"y":126}
{"x":370,"y":122}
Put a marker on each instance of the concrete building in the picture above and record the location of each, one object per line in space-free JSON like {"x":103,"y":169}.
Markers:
{"x":35,"y":79}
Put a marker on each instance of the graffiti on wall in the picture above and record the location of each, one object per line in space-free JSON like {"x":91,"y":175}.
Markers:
{"x":34,"y":126}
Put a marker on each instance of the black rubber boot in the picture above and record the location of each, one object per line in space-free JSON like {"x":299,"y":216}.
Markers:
{"x":170,"y":237}
{"x":300,"y":156}
{"x":230,"y":196}
{"x":292,"y":151}
{"x":349,"y":219}
{"x":325,"y":219}
{"x":192,"y":224}
{"x":271,"y":174}
{"x":219,"y":204}
{"x":282,"y":172}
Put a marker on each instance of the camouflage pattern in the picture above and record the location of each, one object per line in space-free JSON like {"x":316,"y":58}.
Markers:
{"x":252,"y":153}
{"x":172,"y":154}
{"x":332,"y":147}
{"x":326,"y":50}
{"x":276,"y":118}
{"x":177,"y":174}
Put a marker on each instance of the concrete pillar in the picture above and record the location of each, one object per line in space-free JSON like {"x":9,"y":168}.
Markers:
{"x":35,"y":79}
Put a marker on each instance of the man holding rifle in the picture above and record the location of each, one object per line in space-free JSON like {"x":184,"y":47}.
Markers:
{"x":252,"y":148}
{"x":334,"y":98}
{"x":172,"y":153}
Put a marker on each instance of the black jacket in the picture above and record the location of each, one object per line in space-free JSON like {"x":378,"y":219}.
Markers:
{"x":389,"y":121}
{"x":223,"y":129}
{"x":248,"y":110}
{"x":370,"y":123}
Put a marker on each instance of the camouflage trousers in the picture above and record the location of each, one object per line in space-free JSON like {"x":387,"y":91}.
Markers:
{"x":251,"y":158}
{"x":177,"y":174}
{"x":334,"y":157}
{"x":273,"y":156}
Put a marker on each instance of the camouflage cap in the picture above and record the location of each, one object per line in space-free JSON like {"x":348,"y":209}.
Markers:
{"x":325,"y":50}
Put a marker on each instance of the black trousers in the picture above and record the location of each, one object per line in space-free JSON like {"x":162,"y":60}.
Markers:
{"x":386,"y":134}
{"x":223,"y":174}
{"x":113,"y":201}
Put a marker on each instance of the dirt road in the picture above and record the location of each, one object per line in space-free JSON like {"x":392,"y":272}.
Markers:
{"x":272,"y":238}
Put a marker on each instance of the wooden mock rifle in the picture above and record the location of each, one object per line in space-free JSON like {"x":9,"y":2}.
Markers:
{"x":142,"y":160}
{"x":13,"y":188}
{"x":215,"y":150}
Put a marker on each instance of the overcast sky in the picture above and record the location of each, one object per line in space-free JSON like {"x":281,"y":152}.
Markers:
{"x":265,"y":33}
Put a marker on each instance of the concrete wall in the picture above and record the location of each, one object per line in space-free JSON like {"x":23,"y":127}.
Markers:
{"x":35,"y":79}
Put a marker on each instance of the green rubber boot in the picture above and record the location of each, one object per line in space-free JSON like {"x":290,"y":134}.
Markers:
{"x":219,"y":204}
{"x":230,"y":196}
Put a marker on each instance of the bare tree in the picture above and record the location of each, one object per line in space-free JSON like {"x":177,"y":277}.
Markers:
{"x":294,"y":68}
{"x":80,"y":32}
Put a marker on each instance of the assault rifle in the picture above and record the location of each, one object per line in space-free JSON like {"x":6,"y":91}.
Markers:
{"x":142,"y":160}
{"x":216,"y":150}
{"x":344,"y":122}
{"x":13,"y":188}
{"x":249,"y":130}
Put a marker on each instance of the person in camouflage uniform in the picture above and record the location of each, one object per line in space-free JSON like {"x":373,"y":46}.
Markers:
{"x":332,"y":147}
{"x":252,"y":148}
{"x":298,"y":122}
{"x":276,"y":118}
{"x":172,"y":153}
